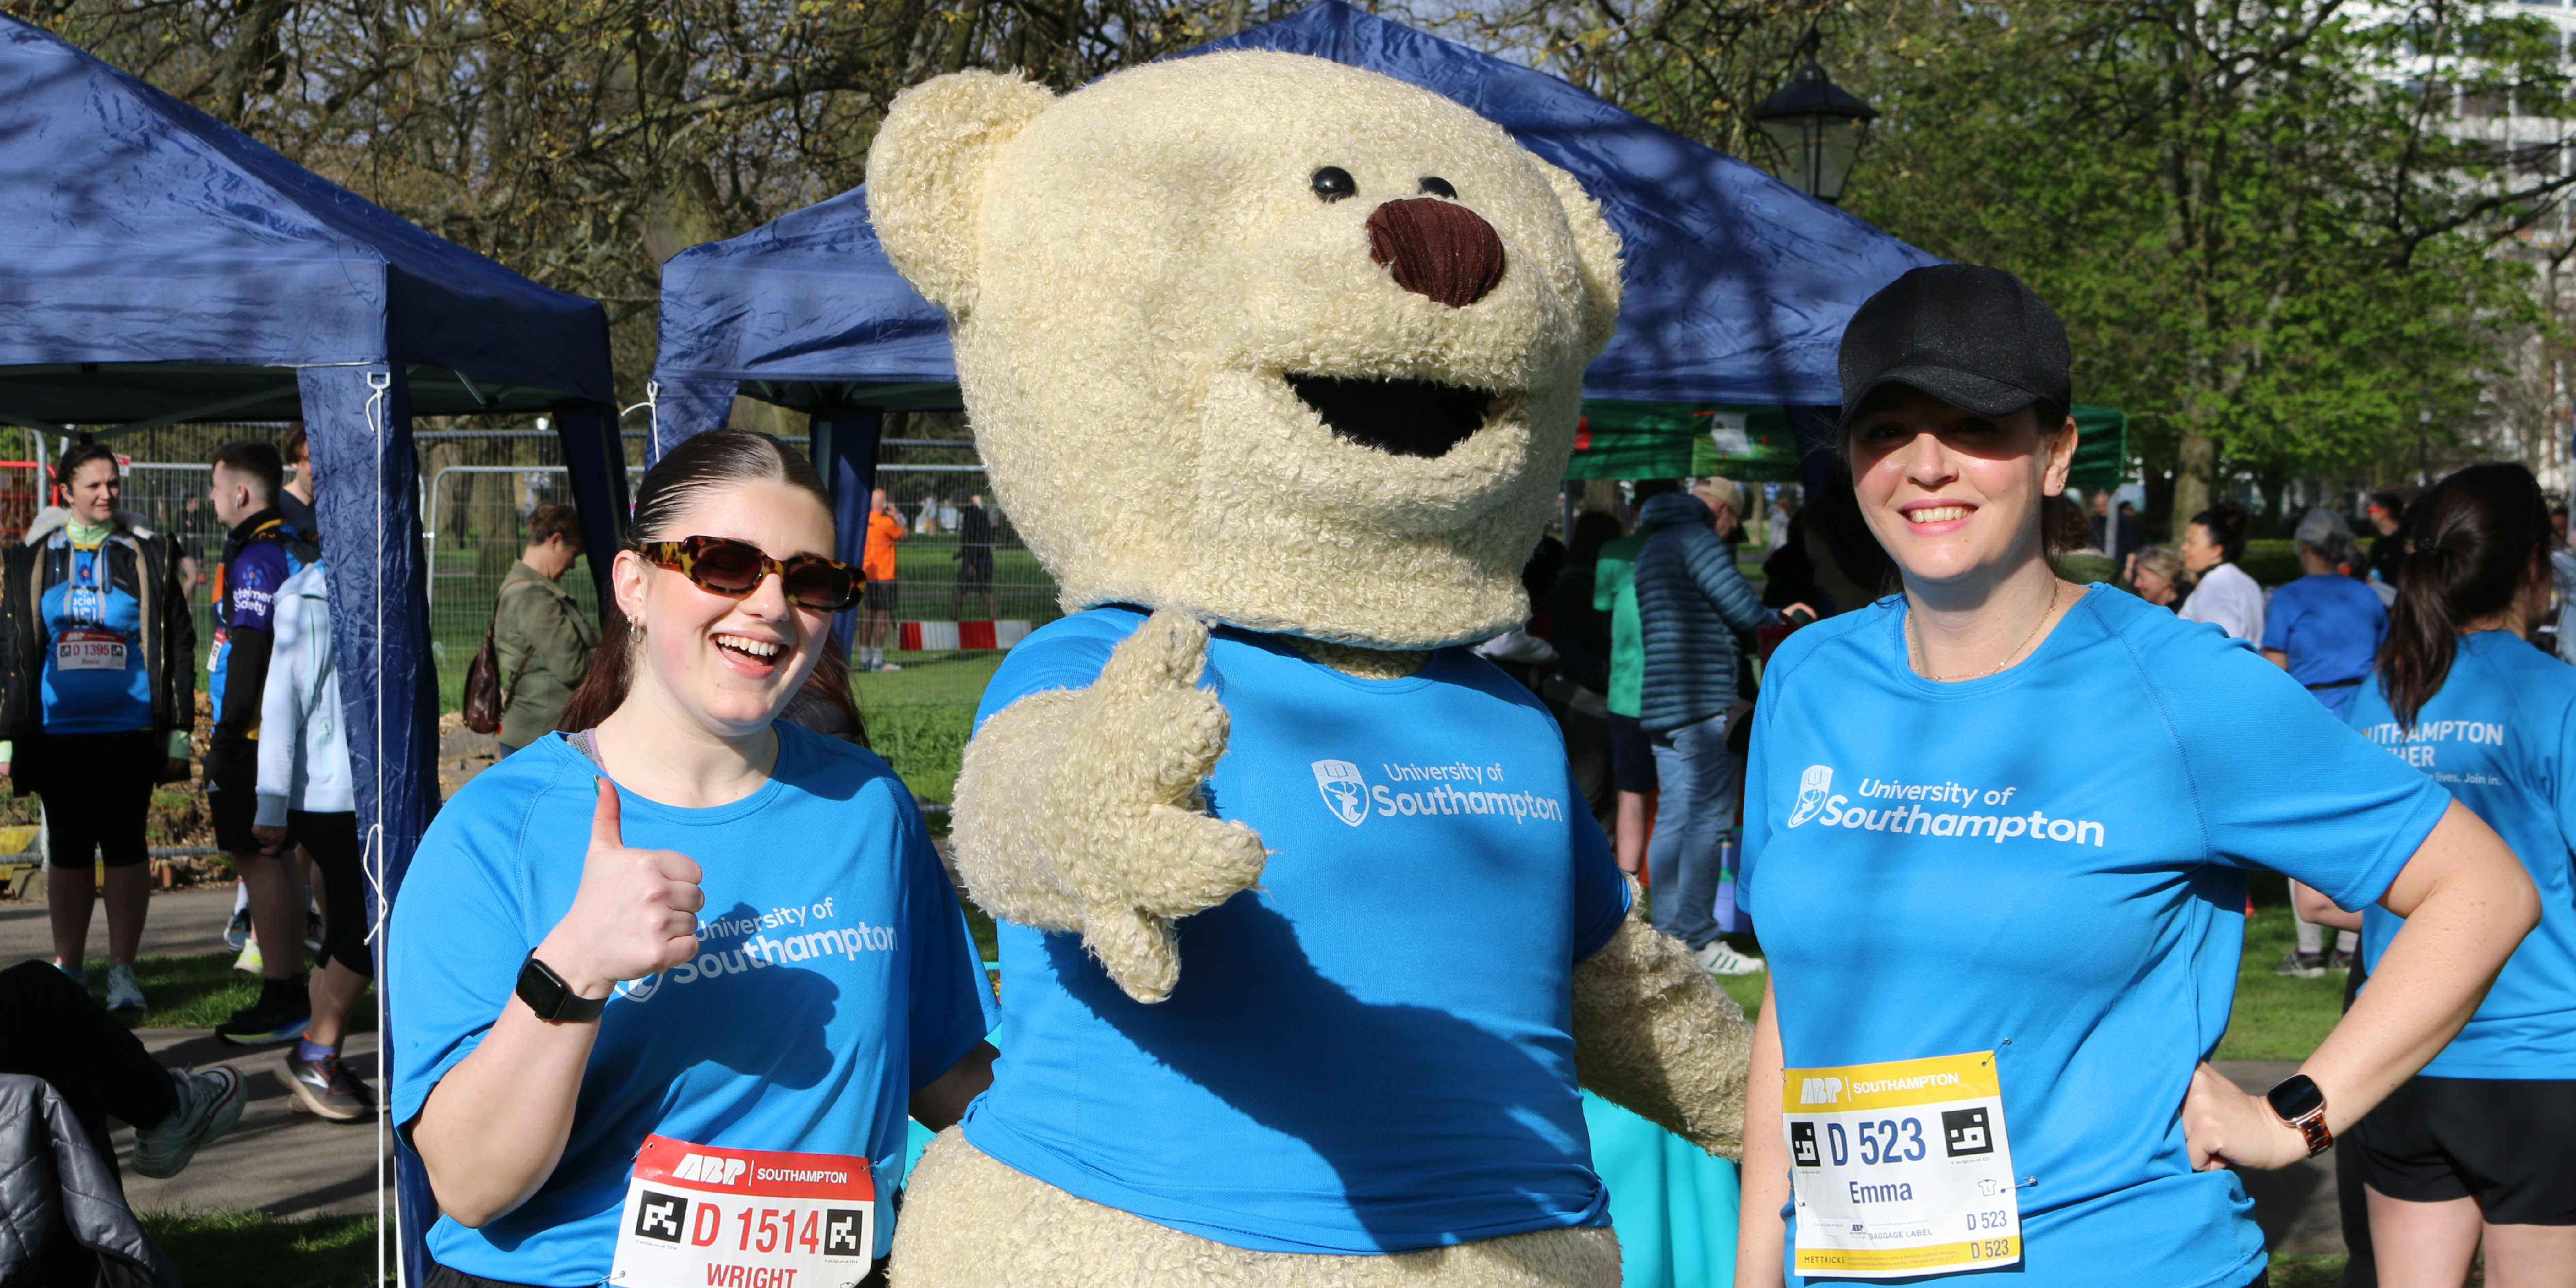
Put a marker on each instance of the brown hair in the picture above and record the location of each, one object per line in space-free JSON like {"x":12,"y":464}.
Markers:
{"x":549,"y":520}
{"x":2477,"y":539}
{"x":257,"y":459}
{"x":295,"y":444}
{"x":78,"y":455}
{"x":703,"y":463}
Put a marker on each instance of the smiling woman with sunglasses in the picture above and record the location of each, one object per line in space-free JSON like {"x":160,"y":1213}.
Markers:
{"x":2001,"y":956}
{"x":666,"y":986}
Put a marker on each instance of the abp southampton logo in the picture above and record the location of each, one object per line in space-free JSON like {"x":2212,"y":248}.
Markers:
{"x":1345,"y":792}
{"x":1812,"y":786}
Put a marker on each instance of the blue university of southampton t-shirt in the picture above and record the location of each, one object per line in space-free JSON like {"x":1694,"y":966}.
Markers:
{"x":96,"y":618}
{"x":835,"y":975}
{"x":1963,"y":874}
{"x":2501,"y":737}
{"x":1371,"y":1052}
{"x":2330,"y":626}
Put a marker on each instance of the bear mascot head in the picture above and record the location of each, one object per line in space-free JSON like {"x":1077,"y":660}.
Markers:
{"x":1290,"y":345}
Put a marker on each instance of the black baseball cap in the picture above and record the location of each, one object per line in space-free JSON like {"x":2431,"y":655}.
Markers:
{"x":1973,"y":337}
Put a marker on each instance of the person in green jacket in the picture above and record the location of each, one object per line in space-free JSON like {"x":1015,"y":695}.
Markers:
{"x":543,"y":639}
{"x":1632,"y":753}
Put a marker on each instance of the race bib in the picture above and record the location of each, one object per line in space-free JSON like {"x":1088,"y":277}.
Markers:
{"x":1901,"y":1169}
{"x":702,"y":1216}
{"x":81,"y":649}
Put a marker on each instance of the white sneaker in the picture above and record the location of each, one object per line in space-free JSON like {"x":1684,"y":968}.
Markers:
{"x":209,"y":1104}
{"x":1718,"y":959}
{"x":888,"y":666}
{"x":123,"y":994}
{"x":249,"y":959}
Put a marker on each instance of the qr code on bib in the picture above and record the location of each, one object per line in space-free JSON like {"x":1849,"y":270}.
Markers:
{"x":661,"y":1216}
{"x":1965,"y":1131}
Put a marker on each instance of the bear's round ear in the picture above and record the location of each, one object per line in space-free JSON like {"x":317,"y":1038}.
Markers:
{"x":926,"y":174}
{"x":1596,"y":245}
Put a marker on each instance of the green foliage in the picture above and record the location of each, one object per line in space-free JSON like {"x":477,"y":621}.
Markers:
{"x":2262,"y":222}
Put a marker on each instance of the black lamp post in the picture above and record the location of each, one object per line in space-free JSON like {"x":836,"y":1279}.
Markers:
{"x":1816,"y":126}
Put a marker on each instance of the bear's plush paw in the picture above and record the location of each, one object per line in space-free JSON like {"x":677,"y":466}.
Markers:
{"x":1113,"y":842}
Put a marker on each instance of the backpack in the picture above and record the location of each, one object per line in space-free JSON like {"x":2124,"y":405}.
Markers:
{"x":484,"y":699}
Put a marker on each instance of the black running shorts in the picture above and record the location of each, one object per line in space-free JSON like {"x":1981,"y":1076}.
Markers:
{"x":1632,"y":755}
{"x":2502,"y":1141}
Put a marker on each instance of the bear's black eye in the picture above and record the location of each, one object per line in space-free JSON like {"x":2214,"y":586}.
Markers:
{"x":1332,"y":183}
{"x":1438,"y":187}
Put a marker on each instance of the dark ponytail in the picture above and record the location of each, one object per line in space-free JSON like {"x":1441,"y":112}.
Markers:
{"x":703,"y":463}
{"x":2226,"y":524}
{"x":2477,"y":539}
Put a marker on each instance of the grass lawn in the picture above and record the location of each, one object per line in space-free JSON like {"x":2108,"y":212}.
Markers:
{"x":197,"y":992}
{"x":2276,"y":1017}
{"x":243,"y":1249}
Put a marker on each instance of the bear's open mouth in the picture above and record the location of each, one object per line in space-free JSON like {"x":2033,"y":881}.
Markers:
{"x":1404,"y":417}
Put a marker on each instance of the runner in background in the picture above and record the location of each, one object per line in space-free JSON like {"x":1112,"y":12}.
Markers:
{"x":295,"y":495}
{"x":1998,"y":969}
{"x":100,"y":695}
{"x":259,"y":555}
{"x":2224,"y":596}
{"x":1632,"y":752}
{"x":2323,"y":629}
{"x":2473,"y":1152}
{"x":885,"y":528}
{"x":758,"y":962}
{"x":305,"y":790}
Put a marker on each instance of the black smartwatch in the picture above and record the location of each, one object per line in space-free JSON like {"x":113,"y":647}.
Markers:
{"x":2298,"y":1101}
{"x":552,"y":999}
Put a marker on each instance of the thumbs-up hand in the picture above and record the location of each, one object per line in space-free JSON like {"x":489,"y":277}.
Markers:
{"x":636,"y":911}
{"x":1080,"y":809}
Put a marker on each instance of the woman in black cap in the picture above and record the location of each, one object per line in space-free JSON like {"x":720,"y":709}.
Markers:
{"x":1999,"y":966}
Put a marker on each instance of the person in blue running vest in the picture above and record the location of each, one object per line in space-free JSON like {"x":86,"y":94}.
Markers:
{"x":666,"y":986}
{"x":2473,"y":1152}
{"x":100,"y":685}
{"x":2000,"y":964}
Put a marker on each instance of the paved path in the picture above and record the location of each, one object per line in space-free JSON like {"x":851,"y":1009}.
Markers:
{"x":182,"y":923}
{"x":286,"y":1163}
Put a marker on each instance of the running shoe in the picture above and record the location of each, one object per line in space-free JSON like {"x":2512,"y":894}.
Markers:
{"x":250,"y":959}
{"x":209,"y":1104}
{"x":328,"y":1088}
{"x":280,"y":1014}
{"x":78,"y":974}
{"x":2299,"y":965}
{"x":123,"y":994}
{"x":237,"y":931}
{"x":1716,"y":958}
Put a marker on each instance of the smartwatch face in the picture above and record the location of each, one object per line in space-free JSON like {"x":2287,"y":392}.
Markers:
{"x":2296,"y":1098}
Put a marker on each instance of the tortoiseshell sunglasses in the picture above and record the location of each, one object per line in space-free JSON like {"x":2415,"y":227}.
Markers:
{"x":725,"y":566}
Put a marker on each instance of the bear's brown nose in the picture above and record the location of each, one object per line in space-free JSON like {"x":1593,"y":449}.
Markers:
{"x":1438,"y":249}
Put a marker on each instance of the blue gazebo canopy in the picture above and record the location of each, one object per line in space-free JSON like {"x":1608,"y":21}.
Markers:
{"x":1737,"y":286}
{"x":158,"y":267}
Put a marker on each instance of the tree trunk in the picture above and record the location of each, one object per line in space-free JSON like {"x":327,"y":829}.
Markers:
{"x":2192,"y":477}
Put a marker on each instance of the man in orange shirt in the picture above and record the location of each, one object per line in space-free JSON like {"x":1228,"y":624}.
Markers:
{"x":884,"y":529}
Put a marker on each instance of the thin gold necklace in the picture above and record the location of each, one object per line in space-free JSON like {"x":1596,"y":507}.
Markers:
{"x":1914,"y":645}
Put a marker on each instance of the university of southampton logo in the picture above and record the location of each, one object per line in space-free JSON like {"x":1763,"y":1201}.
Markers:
{"x":1812,"y":786}
{"x":1345,"y":792}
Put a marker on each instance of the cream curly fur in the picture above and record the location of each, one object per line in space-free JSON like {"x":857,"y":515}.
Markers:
{"x":1077,"y":809}
{"x":1656,"y":1036}
{"x":1131,"y":272}
{"x":1133,"y":269}
{"x":1001,"y":1227}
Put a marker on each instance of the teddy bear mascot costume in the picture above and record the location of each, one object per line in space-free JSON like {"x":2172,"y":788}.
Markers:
{"x":1275,"y":364}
